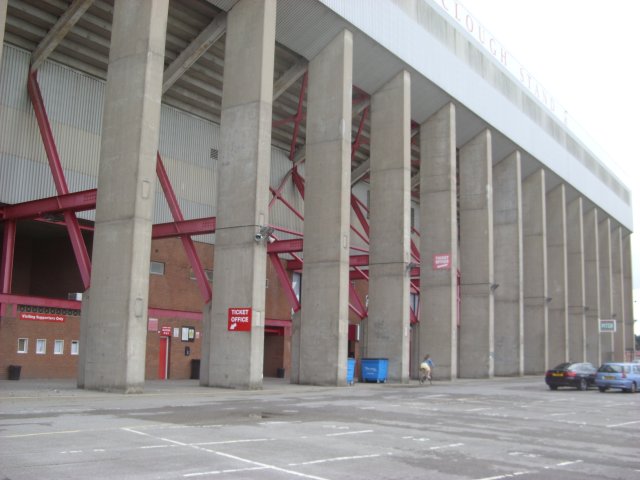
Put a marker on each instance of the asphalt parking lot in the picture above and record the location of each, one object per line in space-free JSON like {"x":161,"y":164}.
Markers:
{"x":468,"y":429}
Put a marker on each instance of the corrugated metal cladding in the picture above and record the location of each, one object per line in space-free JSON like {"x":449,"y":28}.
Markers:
{"x":188,"y":146}
{"x":74,"y":104}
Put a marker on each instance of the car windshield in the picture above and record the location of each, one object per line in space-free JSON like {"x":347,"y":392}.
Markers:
{"x":610,"y":369}
{"x":562,"y":367}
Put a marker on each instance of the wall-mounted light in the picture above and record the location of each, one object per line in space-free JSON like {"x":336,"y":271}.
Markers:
{"x":264,"y":234}
{"x":411,"y":266}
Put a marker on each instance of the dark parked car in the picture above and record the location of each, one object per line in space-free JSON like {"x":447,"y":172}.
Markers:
{"x":577,"y":375}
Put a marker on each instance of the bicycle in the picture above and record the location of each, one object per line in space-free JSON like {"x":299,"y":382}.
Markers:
{"x":424,"y":376}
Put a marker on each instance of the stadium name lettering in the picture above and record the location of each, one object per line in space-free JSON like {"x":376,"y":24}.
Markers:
{"x":461,"y":15}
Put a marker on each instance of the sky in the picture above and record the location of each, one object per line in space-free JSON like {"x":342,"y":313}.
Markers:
{"x":585,"y":54}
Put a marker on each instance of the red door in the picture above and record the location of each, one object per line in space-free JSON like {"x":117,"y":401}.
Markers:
{"x":163,"y":359}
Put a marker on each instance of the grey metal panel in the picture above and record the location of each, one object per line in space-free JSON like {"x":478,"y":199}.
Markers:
{"x":294,"y":29}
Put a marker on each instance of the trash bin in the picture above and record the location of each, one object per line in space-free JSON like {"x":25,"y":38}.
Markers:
{"x":14,"y":372}
{"x":280,"y":373}
{"x":351,"y":368}
{"x":195,"y":369}
{"x":374,"y":369}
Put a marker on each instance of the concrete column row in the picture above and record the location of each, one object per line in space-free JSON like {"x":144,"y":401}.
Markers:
{"x":537,"y":270}
{"x":514,"y":278}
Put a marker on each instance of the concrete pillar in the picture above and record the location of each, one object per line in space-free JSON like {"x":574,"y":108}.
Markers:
{"x":507,"y":240}
{"x":476,"y":259}
{"x":390,"y":226}
{"x":606,"y":286}
{"x":576,"y":281}
{"x":3,"y":21}
{"x":617,"y":309}
{"x":630,"y":340}
{"x":437,"y":330}
{"x":557,"y":275}
{"x":592,"y":287}
{"x":325,"y":281}
{"x":235,"y":358}
{"x":116,"y":318}
{"x":534,"y":225}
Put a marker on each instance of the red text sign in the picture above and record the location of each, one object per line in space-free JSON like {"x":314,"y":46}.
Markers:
{"x":165,"y":331}
{"x":442,"y":261}
{"x":239,"y":319}
{"x":42,"y":317}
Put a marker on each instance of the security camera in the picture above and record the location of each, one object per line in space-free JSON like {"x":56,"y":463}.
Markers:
{"x":258,"y":237}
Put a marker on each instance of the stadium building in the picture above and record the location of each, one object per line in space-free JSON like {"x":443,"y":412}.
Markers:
{"x":232,"y":189}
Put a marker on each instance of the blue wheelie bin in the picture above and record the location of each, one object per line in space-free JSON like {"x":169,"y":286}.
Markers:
{"x":374,"y":369}
{"x":351,"y":368}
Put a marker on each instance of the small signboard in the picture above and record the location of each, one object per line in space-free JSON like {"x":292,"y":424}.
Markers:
{"x":239,"y":319}
{"x":42,"y":317}
{"x":165,"y":331}
{"x":442,"y":261}
{"x":607,"y":326}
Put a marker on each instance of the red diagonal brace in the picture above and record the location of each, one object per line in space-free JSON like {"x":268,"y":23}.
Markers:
{"x":284,"y":281}
{"x":77,"y":242}
{"x":357,"y":208}
{"x":187,"y":243}
{"x":355,"y":303}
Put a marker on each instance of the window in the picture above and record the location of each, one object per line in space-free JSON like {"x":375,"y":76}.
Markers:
{"x":208,"y":273}
{"x":41,"y":346}
{"x":58,"y":347}
{"x":75,"y":347}
{"x":156,"y":268}
{"x":23,"y":345}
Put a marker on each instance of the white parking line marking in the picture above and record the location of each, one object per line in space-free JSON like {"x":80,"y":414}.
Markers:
{"x":261,"y":465}
{"x":335,"y":459}
{"x":440,"y":447}
{"x":218,"y":472}
{"x":564,"y":464}
{"x":622,"y":424}
{"x":348,"y":433}
{"x":228,"y":442}
{"x":507,"y":475}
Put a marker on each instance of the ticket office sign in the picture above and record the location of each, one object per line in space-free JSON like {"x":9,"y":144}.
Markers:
{"x":239,"y":319}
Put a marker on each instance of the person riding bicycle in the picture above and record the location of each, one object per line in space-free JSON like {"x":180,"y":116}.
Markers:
{"x":425,"y":369}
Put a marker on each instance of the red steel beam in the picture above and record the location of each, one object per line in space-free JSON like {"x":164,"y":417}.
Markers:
{"x":187,"y":242}
{"x":77,"y":242}
{"x":6,"y":267}
{"x":285,"y":282}
{"x":285,"y":246}
{"x":40,"y":301}
{"x":354,"y":261}
{"x":76,"y":305}
{"x":74,"y":202}
{"x":198,"y":226}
